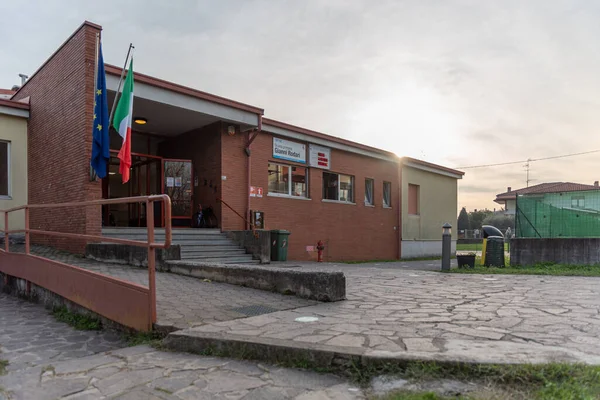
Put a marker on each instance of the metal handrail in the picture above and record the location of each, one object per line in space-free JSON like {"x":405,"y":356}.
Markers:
{"x":253,"y":226}
{"x":166,"y":200}
{"x":150,"y":244}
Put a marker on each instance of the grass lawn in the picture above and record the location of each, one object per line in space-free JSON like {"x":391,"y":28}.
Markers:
{"x":474,"y":247}
{"x":546,"y":381}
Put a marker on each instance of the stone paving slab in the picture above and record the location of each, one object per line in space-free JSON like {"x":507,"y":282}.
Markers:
{"x":182,"y":301}
{"x":431,"y":316}
{"x":50,"y":360}
{"x":29,"y":336}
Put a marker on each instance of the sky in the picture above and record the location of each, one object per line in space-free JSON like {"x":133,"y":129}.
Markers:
{"x":454,"y":82}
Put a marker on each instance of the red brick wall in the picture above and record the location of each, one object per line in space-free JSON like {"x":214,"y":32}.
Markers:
{"x":235,"y":186}
{"x":350,"y":232}
{"x":60,"y":140}
{"x":203,"y":147}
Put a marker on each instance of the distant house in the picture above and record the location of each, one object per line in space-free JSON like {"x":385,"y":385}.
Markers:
{"x":508,"y":199}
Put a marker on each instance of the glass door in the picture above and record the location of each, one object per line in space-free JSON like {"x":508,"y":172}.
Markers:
{"x":177,"y":183}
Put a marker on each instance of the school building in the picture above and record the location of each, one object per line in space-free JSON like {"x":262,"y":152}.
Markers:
{"x":364,"y":203}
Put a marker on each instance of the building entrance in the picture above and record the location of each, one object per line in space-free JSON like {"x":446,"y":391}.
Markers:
{"x":149,"y":175}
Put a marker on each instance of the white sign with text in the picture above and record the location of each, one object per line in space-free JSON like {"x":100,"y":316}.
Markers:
{"x":290,"y":151}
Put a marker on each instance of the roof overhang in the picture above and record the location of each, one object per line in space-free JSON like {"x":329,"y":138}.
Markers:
{"x":305,"y":135}
{"x":14,"y":108}
{"x":211,"y":107}
{"x":433,"y":168}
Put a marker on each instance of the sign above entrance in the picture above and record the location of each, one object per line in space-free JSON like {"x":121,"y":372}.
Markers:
{"x":319,"y":156}
{"x":290,"y":151}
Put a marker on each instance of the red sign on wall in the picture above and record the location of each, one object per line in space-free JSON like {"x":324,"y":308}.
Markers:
{"x":256,"y":191}
{"x":319,"y":156}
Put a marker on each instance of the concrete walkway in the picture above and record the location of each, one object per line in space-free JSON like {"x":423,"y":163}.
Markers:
{"x":48,"y":360}
{"x":398,"y":310}
{"x":408,"y":314}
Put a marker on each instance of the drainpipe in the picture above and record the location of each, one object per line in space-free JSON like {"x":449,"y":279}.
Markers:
{"x":399,"y":208}
{"x":251,"y":136}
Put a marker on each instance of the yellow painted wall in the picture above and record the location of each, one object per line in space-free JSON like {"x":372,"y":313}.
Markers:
{"x":14,"y":130}
{"x":438,"y":198}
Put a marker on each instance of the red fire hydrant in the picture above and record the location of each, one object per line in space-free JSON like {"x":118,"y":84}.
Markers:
{"x":320,"y":248}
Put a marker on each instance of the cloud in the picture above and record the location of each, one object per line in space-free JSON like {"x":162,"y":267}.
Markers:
{"x":457,"y":83}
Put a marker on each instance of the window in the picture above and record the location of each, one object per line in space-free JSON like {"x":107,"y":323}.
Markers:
{"x":369,"y":188}
{"x":4,"y":169}
{"x":413,"y":199}
{"x":338,"y":187}
{"x":387,"y":194}
{"x":287,"y":180}
{"x":578,"y":202}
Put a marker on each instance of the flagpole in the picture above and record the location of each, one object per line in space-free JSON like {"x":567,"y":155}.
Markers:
{"x":112,"y":111}
{"x":93,"y":175}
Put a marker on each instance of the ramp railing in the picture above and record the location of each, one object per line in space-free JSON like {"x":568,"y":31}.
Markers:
{"x":127,"y":303}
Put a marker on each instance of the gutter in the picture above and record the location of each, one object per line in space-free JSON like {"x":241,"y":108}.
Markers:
{"x":251,"y":136}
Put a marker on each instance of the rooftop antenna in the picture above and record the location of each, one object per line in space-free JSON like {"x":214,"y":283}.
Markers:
{"x":23,"y":78}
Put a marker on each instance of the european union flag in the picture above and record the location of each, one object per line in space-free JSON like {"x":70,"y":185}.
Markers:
{"x":100,"y":143}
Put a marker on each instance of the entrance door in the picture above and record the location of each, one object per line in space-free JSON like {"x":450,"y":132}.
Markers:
{"x":145,"y":179}
{"x":177,"y":183}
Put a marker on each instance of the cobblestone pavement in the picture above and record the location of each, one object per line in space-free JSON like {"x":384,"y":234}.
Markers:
{"x":183,"y":301}
{"x":50,"y":360}
{"x":427,"y":315}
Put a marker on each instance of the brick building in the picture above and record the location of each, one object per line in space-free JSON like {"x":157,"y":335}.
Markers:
{"x":363,"y":202}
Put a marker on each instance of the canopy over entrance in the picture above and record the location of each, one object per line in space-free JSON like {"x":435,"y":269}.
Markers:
{"x":162,"y":112}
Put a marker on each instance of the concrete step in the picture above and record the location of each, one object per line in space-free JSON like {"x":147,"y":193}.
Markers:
{"x":243,"y":262}
{"x":224,"y":260}
{"x":212,"y":254}
{"x":208,"y":245}
{"x":157,"y":231}
{"x":205,"y":248}
{"x":174,"y":236}
{"x":187,"y":242}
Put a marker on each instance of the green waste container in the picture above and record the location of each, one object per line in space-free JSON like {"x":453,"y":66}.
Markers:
{"x":494,"y":251}
{"x":279,"y":245}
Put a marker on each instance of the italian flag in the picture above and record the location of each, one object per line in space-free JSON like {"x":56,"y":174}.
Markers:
{"x":122,"y":123}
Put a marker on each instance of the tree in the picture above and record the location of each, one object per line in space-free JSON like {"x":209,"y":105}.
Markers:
{"x":463,"y":220}
{"x":500,"y":221}
{"x":476,"y":218}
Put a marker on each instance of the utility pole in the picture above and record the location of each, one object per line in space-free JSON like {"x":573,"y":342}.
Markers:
{"x":527,"y":168}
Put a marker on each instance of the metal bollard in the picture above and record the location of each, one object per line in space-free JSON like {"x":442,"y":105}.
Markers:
{"x":446,"y":246}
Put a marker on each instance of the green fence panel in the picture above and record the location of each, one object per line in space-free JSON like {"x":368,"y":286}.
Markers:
{"x":558,"y":215}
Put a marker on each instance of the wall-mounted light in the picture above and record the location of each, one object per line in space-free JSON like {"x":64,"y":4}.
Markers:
{"x":112,"y":173}
{"x":140,"y":120}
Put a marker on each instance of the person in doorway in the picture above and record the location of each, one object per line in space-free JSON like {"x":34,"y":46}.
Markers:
{"x":197,"y":220}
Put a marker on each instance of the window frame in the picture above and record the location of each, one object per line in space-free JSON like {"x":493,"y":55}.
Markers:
{"x":383,"y":194}
{"x":418,"y":195}
{"x":289,"y":194}
{"x":353,"y":183}
{"x":372,"y":182}
{"x":8,"y":195}
{"x":580,"y":199}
